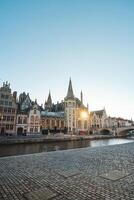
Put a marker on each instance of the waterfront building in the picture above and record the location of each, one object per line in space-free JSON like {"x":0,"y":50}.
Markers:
{"x":52,"y":122}
{"x":112,"y":122}
{"x":98,"y":119}
{"x":52,"y":116}
{"x":24,"y":105}
{"x":34,"y":119}
{"x":22,"y":122}
{"x":76,"y":114}
{"x":24,"y":101}
{"x":24,"y":116}
{"x":8,"y":109}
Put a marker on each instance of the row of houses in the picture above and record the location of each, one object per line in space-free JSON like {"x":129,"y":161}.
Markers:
{"x":20,"y":115}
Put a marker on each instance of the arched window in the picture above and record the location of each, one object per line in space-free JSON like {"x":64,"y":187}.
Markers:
{"x":85,"y":124}
{"x":36,"y":118}
{"x":79,"y":124}
{"x":32,"y":118}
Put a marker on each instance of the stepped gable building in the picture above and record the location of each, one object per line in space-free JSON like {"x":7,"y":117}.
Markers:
{"x":28,"y":115}
{"x":8,"y":109}
{"x":76,"y":114}
{"x":98,"y":119}
{"x":34,"y":118}
{"x":24,"y":106}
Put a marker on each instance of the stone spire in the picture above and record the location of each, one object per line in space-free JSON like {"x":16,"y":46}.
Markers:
{"x":70,"y":94}
{"x":49,"y":100}
{"x":81,"y":97}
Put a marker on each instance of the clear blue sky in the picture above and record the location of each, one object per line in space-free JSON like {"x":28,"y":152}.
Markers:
{"x":44,"y":42}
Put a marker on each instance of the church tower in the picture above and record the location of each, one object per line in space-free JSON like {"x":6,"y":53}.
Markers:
{"x":48,"y":103}
{"x":70,"y":109}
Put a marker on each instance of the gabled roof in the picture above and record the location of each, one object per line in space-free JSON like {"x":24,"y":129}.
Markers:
{"x":97,"y":112}
{"x":70,"y":94}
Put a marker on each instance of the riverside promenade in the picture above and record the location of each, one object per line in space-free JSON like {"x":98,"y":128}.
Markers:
{"x":50,"y":138}
{"x":100,"y":173}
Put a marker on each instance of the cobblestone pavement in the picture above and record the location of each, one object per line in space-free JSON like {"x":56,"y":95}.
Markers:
{"x":101,"y":173}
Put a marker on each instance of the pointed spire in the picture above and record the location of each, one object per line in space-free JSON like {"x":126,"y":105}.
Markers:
{"x":49,"y":100}
{"x":81,"y":97}
{"x":70,"y":94}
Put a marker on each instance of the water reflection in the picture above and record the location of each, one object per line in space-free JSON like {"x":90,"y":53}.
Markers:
{"x":20,"y":149}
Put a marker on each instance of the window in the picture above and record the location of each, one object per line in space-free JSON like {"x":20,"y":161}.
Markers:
{"x":36,"y":118}
{"x":2,"y":96}
{"x":6,"y":103}
{"x":8,"y":118}
{"x":85,"y":124}
{"x":7,"y":126}
{"x":31,"y":130}
{"x":35,"y":111}
{"x":36,"y":129}
{"x":32,"y":118}
{"x":19,"y":120}
{"x":1,"y":102}
{"x":4,"y":118}
{"x":12,"y":118}
{"x":11,"y":127}
{"x":9,"y":110}
{"x":5,"y":110}
{"x":25,"y":120}
{"x":10,"y":103}
{"x":13,"y":110}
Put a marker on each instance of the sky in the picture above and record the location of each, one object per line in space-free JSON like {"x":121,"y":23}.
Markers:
{"x":45,"y":42}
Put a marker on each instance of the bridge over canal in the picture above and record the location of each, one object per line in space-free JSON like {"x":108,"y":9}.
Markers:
{"x":119,"y":131}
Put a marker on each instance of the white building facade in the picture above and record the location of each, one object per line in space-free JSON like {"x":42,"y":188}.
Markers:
{"x":98,"y":119}
{"x":22,"y":124}
{"x":34,"y":119}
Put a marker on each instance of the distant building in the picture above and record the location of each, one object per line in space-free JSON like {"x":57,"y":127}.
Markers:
{"x":24,"y":101}
{"x":76,"y":114}
{"x":52,"y":122}
{"x":23,"y":116}
{"x":98,"y":119}
{"x":8,"y":109}
{"x":22,"y":122}
{"x":112,"y":122}
{"x":34,"y":119}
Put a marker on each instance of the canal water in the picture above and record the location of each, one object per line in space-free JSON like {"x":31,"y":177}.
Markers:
{"x":21,"y":149}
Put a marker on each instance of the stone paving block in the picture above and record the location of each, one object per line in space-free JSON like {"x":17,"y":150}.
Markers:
{"x":69,"y":173}
{"x":78,"y":174}
{"x":41,"y":194}
{"x":114,"y":175}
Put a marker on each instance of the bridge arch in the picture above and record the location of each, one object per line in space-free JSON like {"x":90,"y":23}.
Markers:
{"x":105,"y":131}
{"x":124,"y":132}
